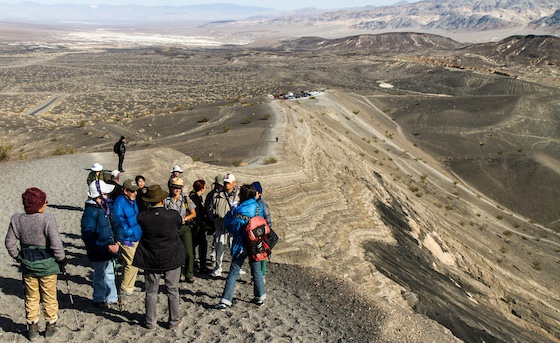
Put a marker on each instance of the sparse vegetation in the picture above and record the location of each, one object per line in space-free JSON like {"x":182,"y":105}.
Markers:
{"x":270,"y":160}
{"x":64,"y":151}
{"x":227,"y":128}
{"x":5,"y":151}
{"x":265,"y":116}
{"x":203,"y":120}
{"x":237,"y":162}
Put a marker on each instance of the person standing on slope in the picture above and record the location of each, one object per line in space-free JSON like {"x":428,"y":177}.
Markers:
{"x":119,"y":148}
{"x":41,"y":256}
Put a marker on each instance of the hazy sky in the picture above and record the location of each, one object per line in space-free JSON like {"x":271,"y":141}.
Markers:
{"x":277,"y":4}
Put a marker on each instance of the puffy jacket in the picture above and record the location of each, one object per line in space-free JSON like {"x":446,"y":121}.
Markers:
{"x":127,"y":211}
{"x":96,"y":231}
{"x":236,"y":226}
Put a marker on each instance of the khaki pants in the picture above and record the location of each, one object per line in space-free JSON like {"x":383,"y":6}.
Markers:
{"x":41,"y":289}
{"x":130,"y":272}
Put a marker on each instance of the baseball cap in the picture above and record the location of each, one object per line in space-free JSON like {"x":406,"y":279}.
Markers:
{"x":131,"y":185}
{"x":229,"y":178}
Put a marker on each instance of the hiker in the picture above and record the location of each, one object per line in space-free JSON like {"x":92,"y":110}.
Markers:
{"x":120,"y":149}
{"x":141,"y":182}
{"x":160,"y":251}
{"x":202,"y":224}
{"x":186,"y":208}
{"x":235,"y":222}
{"x":223,"y":201}
{"x":101,"y":231}
{"x":41,"y":256}
{"x":266,"y":215}
{"x":176,"y":172}
{"x":115,"y":181}
{"x":97,"y":173}
{"x":218,"y":185}
{"x":126,"y":209}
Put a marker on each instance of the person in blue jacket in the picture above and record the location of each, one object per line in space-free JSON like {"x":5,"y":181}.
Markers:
{"x":101,"y":231}
{"x":126,"y":209}
{"x":235,"y":222}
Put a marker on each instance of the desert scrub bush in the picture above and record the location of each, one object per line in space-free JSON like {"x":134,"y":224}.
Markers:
{"x":270,"y":160}
{"x":64,"y":151}
{"x":237,"y":162}
{"x":300,"y":120}
{"x":356,"y":112}
{"x":203,"y":120}
{"x":265,"y":116}
{"x":507,"y":233}
{"x":227,"y":128}
{"x":499,"y":217}
{"x":248,"y":120}
{"x":5,"y":151}
{"x":537,"y":265}
{"x":503,"y":250}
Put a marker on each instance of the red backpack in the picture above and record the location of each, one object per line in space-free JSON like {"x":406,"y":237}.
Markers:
{"x":256,"y":238}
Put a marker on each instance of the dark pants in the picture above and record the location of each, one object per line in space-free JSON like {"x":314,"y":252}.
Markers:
{"x":199,"y":240}
{"x":186,"y":237}
{"x":121,"y":160}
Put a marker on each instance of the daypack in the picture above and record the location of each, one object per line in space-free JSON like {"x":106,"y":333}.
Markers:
{"x":117,"y":148}
{"x":259,"y":238}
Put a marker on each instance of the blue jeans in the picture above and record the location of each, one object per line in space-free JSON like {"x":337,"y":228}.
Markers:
{"x":259,"y":291}
{"x":104,"y":289}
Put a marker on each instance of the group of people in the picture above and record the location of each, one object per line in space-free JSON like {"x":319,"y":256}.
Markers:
{"x":136,"y":226}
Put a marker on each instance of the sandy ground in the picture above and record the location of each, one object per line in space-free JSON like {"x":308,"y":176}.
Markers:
{"x":304,"y":304}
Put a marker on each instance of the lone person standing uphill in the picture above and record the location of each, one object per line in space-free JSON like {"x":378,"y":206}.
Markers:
{"x":119,"y":148}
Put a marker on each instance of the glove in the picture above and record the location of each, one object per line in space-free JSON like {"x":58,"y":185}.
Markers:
{"x":62,"y":265}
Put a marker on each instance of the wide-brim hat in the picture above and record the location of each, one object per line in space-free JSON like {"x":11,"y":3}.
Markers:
{"x":176,"y":169}
{"x":155,"y":194}
{"x":93,"y":191}
{"x":219,"y":179}
{"x":177,"y":182}
{"x":96,"y":167}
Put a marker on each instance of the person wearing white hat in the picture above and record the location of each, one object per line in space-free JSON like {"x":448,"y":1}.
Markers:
{"x":115,"y":181}
{"x":101,"y":230}
{"x":96,"y":173}
{"x":176,"y":172}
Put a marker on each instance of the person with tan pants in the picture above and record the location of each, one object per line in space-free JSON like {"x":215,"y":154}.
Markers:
{"x":126,"y":209}
{"x":41,"y":256}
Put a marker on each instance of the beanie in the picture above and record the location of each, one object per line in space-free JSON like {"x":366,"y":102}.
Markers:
{"x":33,"y":199}
{"x":257,"y":186}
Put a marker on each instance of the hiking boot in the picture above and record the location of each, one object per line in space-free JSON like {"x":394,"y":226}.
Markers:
{"x":33,"y":331}
{"x":131,"y":291}
{"x":51,"y":330}
{"x":190,"y":280}
{"x":102,"y":305}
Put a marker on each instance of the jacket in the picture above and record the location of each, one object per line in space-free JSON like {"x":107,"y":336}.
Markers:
{"x":236,"y":226}
{"x":127,"y":211}
{"x":40,"y":243}
{"x":97,"y":233}
{"x":160,"y":248}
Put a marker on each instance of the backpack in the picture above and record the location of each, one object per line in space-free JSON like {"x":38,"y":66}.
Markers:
{"x":117,"y":148}
{"x":259,"y":238}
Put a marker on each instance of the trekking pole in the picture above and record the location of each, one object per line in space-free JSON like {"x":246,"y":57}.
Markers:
{"x":71,"y":300}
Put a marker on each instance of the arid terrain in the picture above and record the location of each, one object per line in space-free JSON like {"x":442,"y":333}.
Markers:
{"x":432,"y":185}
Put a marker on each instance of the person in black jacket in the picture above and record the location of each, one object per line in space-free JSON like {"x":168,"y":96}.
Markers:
{"x":160,"y":251}
{"x":119,"y":148}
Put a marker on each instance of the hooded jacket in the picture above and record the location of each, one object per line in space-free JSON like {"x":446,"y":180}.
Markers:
{"x":236,"y":225}
{"x":97,"y":233}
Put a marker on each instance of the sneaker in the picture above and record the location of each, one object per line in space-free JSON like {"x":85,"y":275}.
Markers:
{"x":221,"y":307}
{"x":258,"y":302}
{"x":242,"y":272}
{"x":50,"y":330}
{"x":216,"y":272}
{"x":33,"y":332}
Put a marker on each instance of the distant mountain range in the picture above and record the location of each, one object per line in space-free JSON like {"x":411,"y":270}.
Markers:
{"x":442,"y":15}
